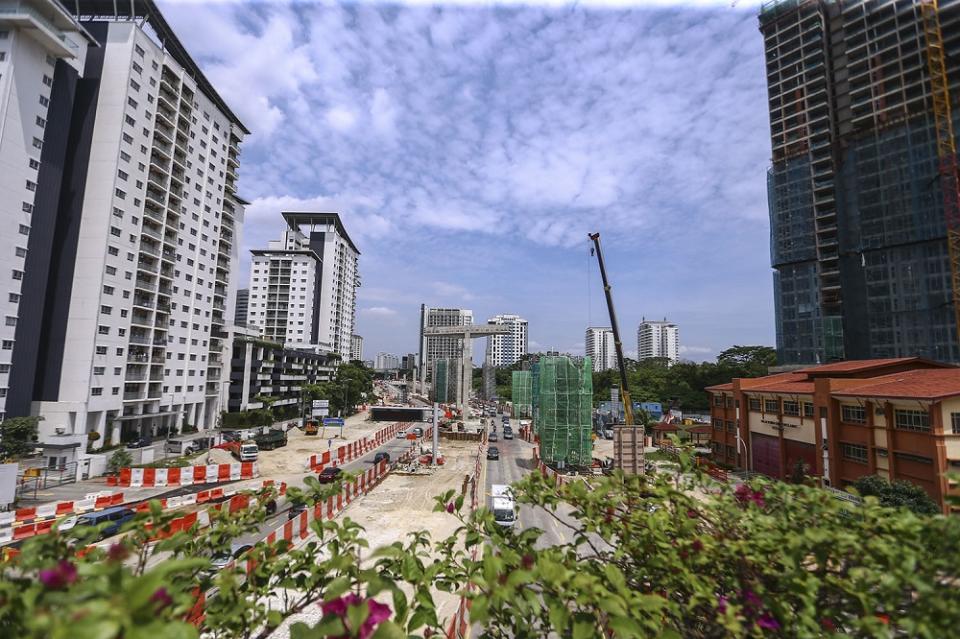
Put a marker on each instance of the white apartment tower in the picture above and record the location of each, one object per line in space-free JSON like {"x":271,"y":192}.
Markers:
{"x":434,"y":348}
{"x":127,"y":287}
{"x":35,"y":37}
{"x":303,"y":286}
{"x":658,"y":339}
{"x":600,"y":348}
{"x":356,"y":348}
{"x":506,"y":350}
{"x":386,"y":362}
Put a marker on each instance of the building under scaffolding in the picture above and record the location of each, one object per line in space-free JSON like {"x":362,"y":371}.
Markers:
{"x":522,"y":394}
{"x":857,"y":225}
{"x":445,"y":373}
{"x":565,"y":401}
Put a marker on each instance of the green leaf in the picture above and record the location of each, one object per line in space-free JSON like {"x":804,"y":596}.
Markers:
{"x":388,"y":630}
{"x":336,"y":588}
{"x":357,"y":614}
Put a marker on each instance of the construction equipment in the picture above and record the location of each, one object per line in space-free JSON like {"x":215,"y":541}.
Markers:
{"x":618,"y":345}
{"x":946,"y":146}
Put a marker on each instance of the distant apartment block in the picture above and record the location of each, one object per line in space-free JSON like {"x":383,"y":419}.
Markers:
{"x":386,"y":362}
{"x":434,"y":348}
{"x":506,"y":350}
{"x":303,"y":286}
{"x":897,"y":418}
{"x":600,"y":348}
{"x":356,"y":348}
{"x":242,"y":306}
{"x":131,"y":236}
{"x":658,"y":340}
{"x":264,"y":370}
{"x":857,"y":226}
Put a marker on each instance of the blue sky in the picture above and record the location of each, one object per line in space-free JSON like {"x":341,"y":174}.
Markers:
{"x":471,"y":148}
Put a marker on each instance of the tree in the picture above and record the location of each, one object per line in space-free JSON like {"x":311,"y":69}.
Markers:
{"x":18,"y":436}
{"x":121,"y":458}
{"x":897,"y":494}
{"x":754,"y":358}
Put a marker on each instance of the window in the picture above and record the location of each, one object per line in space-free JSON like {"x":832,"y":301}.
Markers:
{"x":955,"y":423}
{"x":731,"y":452}
{"x":808,"y":409}
{"x":122,"y":175}
{"x":731,"y":427}
{"x":4,"y":368}
{"x":717,"y":399}
{"x":853,"y":414}
{"x":24,"y":229}
{"x":41,"y":122}
{"x":34,"y":164}
{"x":728,"y":399}
{"x":771,"y":405}
{"x":15,"y":297}
{"x":111,"y":270}
{"x":96,"y":391}
{"x":120,"y":194}
{"x":791,"y":408}
{"x":138,"y":49}
{"x":17,"y":274}
{"x":99,"y":370}
{"x":11,"y":320}
{"x":20,"y":251}
{"x":106,"y":310}
{"x":47,"y":80}
{"x":101,"y":350}
{"x":115,"y":390}
{"x":103,"y":330}
{"x":916,"y":420}
{"x":27,"y":207}
{"x":717,"y":424}
{"x":108,"y":290}
{"x":37,"y":143}
{"x":919,"y":459}
{"x":854,"y":452}
{"x":44,"y":101}
{"x":754,"y":404}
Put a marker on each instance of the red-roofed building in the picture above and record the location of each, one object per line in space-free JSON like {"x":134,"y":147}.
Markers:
{"x":897,"y":418}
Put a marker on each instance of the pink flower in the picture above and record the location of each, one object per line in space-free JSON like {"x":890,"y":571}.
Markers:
{"x":60,"y":577}
{"x":450,"y":508}
{"x":745,"y":495}
{"x":750,"y":599}
{"x":162,"y":598}
{"x":768,"y":622}
{"x":691,"y":513}
{"x":117,"y":552}
{"x":722,"y":605}
{"x":697,"y":545}
{"x":377,"y":612}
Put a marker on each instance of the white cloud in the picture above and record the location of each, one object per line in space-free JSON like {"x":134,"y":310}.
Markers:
{"x":692,"y":350}
{"x":383,"y":114}
{"x":341,"y":119}
{"x":380,"y":310}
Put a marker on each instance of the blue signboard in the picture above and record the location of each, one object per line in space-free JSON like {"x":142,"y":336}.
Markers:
{"x":333,"y":421}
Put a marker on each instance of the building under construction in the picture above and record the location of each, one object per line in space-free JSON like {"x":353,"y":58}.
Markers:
{"x":564,"y":412}
{"x":522,"y":394}
{"x":445,"y":375}
{"x":863,"y":187}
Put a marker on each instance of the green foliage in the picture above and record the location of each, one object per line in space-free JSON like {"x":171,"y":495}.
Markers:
{"x":121,"y":458}
{"x":897,"y":494}
{"x":672,"y":555}
{"x":352,"y":385}
{"x":18,"y":436}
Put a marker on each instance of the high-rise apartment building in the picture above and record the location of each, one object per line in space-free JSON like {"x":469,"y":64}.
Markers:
{"x":132,"y":236}
{"x":434,"y":348}
{"x":39,"y":42}
{"x":856,"y":207}
{"x":386,"y":362}
{"x":356,"y":348}
{"x":658,"y":339}
{"x":506,"y":350}
{"x":600,"y":347}
{"x":303,"y":286}
{"x":242,"y":307}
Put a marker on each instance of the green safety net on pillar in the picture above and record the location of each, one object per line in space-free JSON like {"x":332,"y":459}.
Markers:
{"x":565,"y":401}
{"x":522,"y":394}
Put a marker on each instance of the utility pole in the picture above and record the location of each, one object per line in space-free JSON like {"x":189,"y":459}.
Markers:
{"x":436,"y":432}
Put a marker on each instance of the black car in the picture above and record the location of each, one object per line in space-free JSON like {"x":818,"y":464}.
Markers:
{"x":379,"y":457}
{"x":492,"y":437}
{"x":493,"y":453}
{"x":141,"y":442}
{"x":329,"y":475}
{"x":295,"y":510}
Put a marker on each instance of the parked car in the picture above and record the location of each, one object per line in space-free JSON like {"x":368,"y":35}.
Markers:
{"x":418,"y":431}
{"x":295,"y":510}
{"x":221,"y":560}
{"x":493,"y":453}
{"x":507,"y":433}
{"x":114,"y":518}
{"x":492,"y":437}
{"x":402,"y":434}
{"x":140,"y":442}
{"x":329,"y":475}
{"x":379,"y":457}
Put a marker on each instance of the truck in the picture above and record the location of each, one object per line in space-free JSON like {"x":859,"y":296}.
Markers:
{"x":504,"y":507}
{"x":273,"y":438}
{"x":245,"y":451}
{"x":311,"y":427}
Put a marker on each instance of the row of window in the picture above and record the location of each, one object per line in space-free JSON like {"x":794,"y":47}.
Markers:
{"x":858,"y":453}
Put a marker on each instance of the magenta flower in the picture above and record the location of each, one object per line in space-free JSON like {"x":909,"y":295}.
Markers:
{"x":162,"y":598}
{"x":377,"y":613}
{"x":117,"y":552}
{"x":697,"y":545}
{"x":722,"y":605}
{"x":64,"y":574}
{"x":745,"y":495}
{"x":768,"y":622}
{"x":450,"y":508}
{"x":750,"y":599}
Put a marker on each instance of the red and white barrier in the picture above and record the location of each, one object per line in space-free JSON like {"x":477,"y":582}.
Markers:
{"x":187,"y":475}
{"x":353,"y":450}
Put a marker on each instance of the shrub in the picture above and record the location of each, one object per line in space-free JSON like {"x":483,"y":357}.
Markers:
{"x":121,"y":458}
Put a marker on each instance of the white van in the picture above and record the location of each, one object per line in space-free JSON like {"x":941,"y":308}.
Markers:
{"x":249,"y":452}
{"x":180,"y":446}
{"x":504,"y":511}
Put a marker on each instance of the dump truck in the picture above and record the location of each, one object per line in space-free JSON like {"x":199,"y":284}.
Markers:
{"x":312,"y":427}
{"x":271,"y":439}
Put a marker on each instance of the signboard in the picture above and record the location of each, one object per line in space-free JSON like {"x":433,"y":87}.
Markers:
{"x":320,"y":412}
{"x":321,"y":403}
{"x":333,"y":421}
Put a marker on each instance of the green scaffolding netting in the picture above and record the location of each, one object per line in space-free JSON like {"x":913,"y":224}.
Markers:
{"x":522,"y":394}
{"x":444,"y":381}
{"x":564,"y":411}
{"x":535,"y":395}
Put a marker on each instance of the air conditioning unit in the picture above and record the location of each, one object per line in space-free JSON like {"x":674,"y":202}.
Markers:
{"x":60,"y":430}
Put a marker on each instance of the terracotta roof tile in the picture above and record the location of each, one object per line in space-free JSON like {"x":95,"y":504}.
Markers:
{"x":853,"y":365}
{"x":934,"y":383}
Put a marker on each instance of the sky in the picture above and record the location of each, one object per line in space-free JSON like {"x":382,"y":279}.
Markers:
{"x":470,"y":148}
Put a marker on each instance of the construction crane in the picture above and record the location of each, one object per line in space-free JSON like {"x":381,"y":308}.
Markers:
{"x":618,"y":345}
{"x":946,"y":146}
